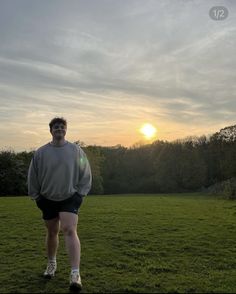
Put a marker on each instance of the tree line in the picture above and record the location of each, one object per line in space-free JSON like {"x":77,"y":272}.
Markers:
{"x":191,"y":164}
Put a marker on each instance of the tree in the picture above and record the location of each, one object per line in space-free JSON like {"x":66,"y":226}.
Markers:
{"x":95,"y":158}
{"x":12,"y":174}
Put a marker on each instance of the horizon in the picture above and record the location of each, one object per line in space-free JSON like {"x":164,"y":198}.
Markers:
{"x":109,"y":67}
{"x":138,"y":143}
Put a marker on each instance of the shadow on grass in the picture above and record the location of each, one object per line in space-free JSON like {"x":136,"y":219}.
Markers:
{"x":37,"y":283}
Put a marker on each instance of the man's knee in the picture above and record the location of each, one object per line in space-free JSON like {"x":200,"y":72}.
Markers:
{"x":68,"y":230}
{"x":53,"y":227}
{"x":53,"y":232}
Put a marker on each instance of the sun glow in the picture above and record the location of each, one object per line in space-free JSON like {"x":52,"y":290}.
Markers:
{"x":148,"y":131}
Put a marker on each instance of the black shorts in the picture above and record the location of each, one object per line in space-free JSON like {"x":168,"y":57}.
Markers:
{"x":51,"y":209}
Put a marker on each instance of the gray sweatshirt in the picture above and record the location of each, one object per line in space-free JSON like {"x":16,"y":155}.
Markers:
{"x":57,"y":173}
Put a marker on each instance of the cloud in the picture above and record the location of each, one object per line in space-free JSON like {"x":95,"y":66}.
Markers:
{"x":109,"y":66}
{"x":30,"y":133}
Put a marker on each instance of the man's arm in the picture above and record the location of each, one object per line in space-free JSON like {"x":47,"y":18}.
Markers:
{"x":32,"y":180}
{"x":85,"y":175}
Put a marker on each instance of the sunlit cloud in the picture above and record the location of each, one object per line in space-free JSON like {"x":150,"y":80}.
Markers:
{"x":111,"y":66}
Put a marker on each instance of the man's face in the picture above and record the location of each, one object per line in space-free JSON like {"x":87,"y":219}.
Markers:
{"x":58,"y":131}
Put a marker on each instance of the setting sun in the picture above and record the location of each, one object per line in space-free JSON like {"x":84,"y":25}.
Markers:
{"x":148,"y":131}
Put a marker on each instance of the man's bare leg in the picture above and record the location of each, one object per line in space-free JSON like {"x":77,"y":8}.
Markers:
{"x":69,"y":223}
{"x":69,"y":227}
{"x":52,"y":240}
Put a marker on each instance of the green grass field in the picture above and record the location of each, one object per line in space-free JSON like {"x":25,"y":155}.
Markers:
{"x":130,"y":243}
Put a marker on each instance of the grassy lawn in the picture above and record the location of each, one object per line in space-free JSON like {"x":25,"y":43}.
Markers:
{"x":130,"y":243}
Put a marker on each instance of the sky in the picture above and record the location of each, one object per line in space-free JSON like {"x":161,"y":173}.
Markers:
{"x":110,"y":66}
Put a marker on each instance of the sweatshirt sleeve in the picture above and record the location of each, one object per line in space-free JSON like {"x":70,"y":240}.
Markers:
{"x":32,"y":180}
{"x":85,"y":175}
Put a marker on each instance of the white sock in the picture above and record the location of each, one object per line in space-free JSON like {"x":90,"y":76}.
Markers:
{"x":52,"y":260}
{"x":75,"y":271}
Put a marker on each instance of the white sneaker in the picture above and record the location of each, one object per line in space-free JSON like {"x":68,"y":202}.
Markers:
{"x":75,"y":282}
{"x":50,"y":270}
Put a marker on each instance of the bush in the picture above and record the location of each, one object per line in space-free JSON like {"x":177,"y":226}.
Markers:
{"x":230,"y":189}
{"x":226,"y":188}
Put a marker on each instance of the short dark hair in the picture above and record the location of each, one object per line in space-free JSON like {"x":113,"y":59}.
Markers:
{"x":57,"y":120}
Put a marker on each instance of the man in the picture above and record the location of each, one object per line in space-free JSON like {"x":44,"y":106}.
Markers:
{"x":59,"y":177}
